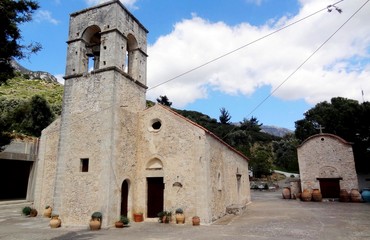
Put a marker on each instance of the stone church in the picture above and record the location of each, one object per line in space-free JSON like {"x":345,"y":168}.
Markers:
{"x":108,"y":152}
{"x":326,"y":162}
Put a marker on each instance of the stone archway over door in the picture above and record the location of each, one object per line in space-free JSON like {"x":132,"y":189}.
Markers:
{"x":329,"y":187}
{"x":155,"y":196}
{"x":124,"y":198}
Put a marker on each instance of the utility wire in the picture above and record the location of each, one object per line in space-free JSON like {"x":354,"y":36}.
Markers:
{"x":244,"y":46}
{"x":304,"y":62}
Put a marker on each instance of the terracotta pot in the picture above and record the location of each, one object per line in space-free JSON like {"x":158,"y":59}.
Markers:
{"x":180,"y":218}
{"x":55,"y":222}
{"x":119,"y":224}
{"x":196,"y":221}
{"x":344,"y":196}
{"x":306,"y":195}
{"x":138,"y":217}
{"x":286,"y":193}
{"x":95,"y":224}
{"x":47,"y":212}
{"x":316,"y":195}
{"x":355,"y":195}
{"x":33,"y":212}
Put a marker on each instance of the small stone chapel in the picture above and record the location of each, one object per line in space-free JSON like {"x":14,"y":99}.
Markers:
{"x":108,"y":152}
{"x":326,"y":162}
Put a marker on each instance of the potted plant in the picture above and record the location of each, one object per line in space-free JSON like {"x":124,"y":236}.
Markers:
{"x":167,"y":215}
{"x":47,"y":211}
{"x":95,"y":222}
{"x":26,"y":210}
{"x":29,"y":211}
{"x":123,"y":221}
{"x":160,"y":216}
{"x":180,"y":217}
{"x":138,"y":217}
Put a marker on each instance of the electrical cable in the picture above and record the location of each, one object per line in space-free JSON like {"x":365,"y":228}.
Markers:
{"x":304,"y":62}
{"x":244,"y":46}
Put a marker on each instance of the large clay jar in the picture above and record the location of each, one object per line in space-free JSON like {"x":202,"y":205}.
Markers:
{"x":55,"y":222}
{"x":180,"y":218}
{"x":196,"y":221}
{"x":306,"y":195}
{"x":355,"y":195}
{"x":366,"y":194}
{"x":47,"y":212}
{"x":316,"y":195}
{"x":286,"y":193}
{"x":344,"y":196}
{"x":95,"y":224}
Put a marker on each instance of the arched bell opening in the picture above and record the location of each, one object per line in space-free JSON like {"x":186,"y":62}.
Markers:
{"x":92,"y":39}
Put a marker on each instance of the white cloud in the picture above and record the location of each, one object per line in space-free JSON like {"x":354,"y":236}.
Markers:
{"x":340,"y":68}
{"x":127,"y":3}
{"x":44,"y":15}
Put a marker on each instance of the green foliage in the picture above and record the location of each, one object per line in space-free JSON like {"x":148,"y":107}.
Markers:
{"x":97,"y":215}
{"x":225,"y":116}
{"x":12,"y":14}
{"x":27,"y":117}
{"x":261,"y":161}
{"x":164,"y":101}
{"x":179,"y":211}
{"x":125,"y":220}
{"x":285,"y":153}
{"x":26,"y":211}
{"x":345,"y":118}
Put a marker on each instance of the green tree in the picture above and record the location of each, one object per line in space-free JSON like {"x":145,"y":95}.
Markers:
{"x":285,"y":153}
{"x":225,"y":116}
{"x":164,"y":101}
{"x":261,"y":162}
{"x":31,"y":117}
{"x":13,"y":13}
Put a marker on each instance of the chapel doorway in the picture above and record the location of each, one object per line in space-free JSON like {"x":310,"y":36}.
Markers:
{"x":155,"y":196}
{"x":124,"y":198}
{"x":329,"y":187}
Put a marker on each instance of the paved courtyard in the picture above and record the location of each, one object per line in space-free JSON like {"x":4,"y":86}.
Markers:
{"x":268,"y":217}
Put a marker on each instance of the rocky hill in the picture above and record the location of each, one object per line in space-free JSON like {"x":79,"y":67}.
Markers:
{"x":276,"y":131}
{"x":28,"y":74}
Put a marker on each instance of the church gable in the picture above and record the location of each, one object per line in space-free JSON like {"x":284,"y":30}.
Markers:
{"x":327,"y":158}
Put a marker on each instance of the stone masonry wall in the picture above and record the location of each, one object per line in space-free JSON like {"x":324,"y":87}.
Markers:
{"x":326,"y":156}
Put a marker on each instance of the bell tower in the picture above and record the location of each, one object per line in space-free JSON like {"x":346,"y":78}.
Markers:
{"x":104,"y":91}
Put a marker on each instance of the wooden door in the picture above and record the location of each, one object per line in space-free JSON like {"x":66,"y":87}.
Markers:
{"x":155,"y":196}
{"x":329,"y":187}
{"x":124,"y":198}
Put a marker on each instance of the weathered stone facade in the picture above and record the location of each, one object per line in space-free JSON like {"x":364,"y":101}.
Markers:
{"x":108,"y":152}
{"x":326,"y":156}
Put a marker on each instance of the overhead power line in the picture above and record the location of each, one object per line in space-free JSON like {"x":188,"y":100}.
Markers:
{"x":309,"y":57}
{"x":306,"y":60}
{"x":244,"y":46}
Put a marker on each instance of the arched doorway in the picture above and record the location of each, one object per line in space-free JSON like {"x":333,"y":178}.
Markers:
{"x":155,"y":187}
{"x":124,"y":198}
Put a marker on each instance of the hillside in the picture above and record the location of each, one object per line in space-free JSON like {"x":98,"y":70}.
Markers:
{"x":21,"y":88}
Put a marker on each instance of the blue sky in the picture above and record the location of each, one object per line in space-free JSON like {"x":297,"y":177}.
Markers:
{"x":184,"y":34}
